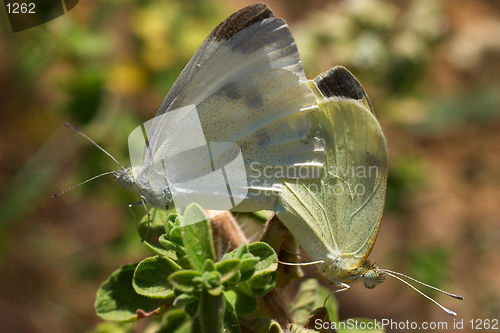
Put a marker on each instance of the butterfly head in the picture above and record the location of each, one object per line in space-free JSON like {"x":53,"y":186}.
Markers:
{"x":125,"y":178}
{"x":373,"y":276}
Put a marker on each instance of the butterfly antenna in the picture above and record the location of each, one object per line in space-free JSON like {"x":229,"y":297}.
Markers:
{"x":143,"y":202}
{"x":68,"y":125}
{"x":66,"y":190}
{"x":424,"y":284}
{"x":448,"y":311}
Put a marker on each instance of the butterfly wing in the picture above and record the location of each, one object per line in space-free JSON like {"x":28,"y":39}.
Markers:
{"x":339,"y":214}
{"x":248,"y":87}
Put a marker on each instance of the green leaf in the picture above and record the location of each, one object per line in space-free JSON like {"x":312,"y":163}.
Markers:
{"x":263,"y":284}
{"x":241,"y":250}
{"x":274,"y":327}
{"x":244,"y":305}
{"x":185,"y":299}
{"x":236,"y":278}
{"x":197,"y":237}
{"x":151,"y":277}
{"x":258,"y":261}
{"x":208,"y":266}
{"x":249,"y":263}
{"x":173,"y":220}
{"x":192,"y":308}
{"x":117,"y":300}
{"x":174,"y":319}
{"x":215,"y":291}
{"x":264,"y":278}
{"x":171,"y":246}
{"x":211,"y":280}
{"x":175,"y":235}
{"x":227,"y":268}
{"x":244,"y":287}
{"x":231,"y":323}
{"x":268,"y":258}
{"x":247,"y":275}
{"x":184,"y":281}
{"x":211,"y":312}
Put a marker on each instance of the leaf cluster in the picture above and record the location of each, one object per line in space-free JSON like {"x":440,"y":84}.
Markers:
{"x":184,"y":275}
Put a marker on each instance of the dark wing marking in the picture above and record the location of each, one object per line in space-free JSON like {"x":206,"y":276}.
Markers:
{"x":240,"y":20}
{"x":339,"y":82}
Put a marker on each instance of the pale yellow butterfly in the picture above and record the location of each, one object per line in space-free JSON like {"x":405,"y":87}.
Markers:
{"x":336,"y":218}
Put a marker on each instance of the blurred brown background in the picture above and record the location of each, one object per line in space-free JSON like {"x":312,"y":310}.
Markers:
{"x":431,"y":68}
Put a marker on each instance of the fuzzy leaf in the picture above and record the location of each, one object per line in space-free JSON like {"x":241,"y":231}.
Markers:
{"x":197,"y":237}
{"x":245,"y":276}
{"x":211,"y":280}
{"x":244,"y":287}
{"x":248,"y":263}
{"x":173,"y":320}
{"x":268,"y":258}
{"x":173,"y":221}
{"x":231,"y":323}
{"x":151,"y":277}
{"x":227,"y":268}
{"x":192,"y":308}
{"x":215,"y":291}
{"x":263,"y":284}
{"x":264,"y":278}
{"x":185,"y":299}
{"x":117,"y":300}
{"x":171,"y":246}
{"x":175,"y":235}
{"x":244,"y":305}
{"x":185,"y":281}
{"x":241,"y":250}
{"x":208,"y":266}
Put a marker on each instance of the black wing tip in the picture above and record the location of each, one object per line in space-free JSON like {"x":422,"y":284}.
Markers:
{"x":339,"y":82}
{"x":240,"y":20}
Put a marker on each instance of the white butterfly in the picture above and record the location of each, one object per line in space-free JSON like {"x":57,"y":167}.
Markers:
{"x":237,"y":119}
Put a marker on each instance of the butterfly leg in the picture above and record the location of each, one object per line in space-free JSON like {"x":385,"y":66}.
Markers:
{"x":143,"y":202}
{"x":344,"y":286}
